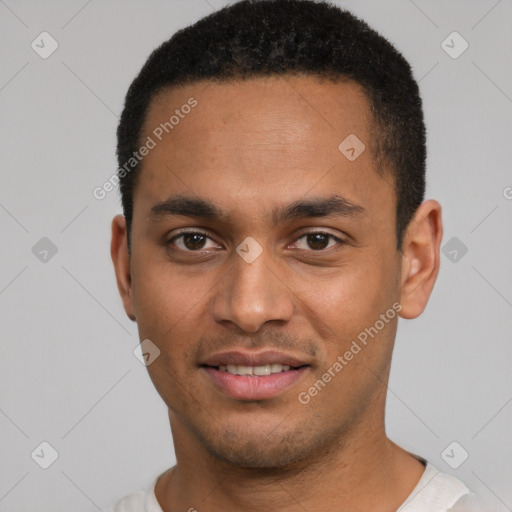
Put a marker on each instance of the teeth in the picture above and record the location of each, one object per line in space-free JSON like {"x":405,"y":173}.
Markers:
{"x":261,"y":370}
{"x":243,"y":370}
{"x":267,"y":369}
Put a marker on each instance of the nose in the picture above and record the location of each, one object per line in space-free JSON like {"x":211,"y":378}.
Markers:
{"x":252,"y":294}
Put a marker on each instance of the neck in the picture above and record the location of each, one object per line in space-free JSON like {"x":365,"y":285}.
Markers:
{"x":363,"y":471}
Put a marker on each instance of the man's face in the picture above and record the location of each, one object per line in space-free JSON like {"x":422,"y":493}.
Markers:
{"x":253,"y":149}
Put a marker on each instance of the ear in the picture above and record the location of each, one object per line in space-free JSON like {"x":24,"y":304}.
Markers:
{"x":421,"y":258}
{"x":121,"y":260}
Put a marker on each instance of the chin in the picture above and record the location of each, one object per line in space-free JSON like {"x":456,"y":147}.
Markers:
{"x":257,"y":448}
{"x":252,"y":455}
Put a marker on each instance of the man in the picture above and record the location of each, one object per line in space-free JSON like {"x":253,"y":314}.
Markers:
{"x":272,"y":173}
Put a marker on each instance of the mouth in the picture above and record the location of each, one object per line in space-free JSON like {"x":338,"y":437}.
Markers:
{"x":253,"y":377}
{"x":256,"y":371}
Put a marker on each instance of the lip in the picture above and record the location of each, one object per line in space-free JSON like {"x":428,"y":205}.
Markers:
{"x":253,"y":387}
{"x":253,"y":359}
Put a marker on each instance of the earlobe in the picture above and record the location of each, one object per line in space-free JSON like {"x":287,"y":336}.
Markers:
{"x":121,"y":261}
{"x":421,"y":258}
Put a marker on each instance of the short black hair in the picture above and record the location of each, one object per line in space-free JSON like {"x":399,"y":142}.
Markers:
{"x":258,"y":38}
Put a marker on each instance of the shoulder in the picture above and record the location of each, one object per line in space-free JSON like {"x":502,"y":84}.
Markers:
{"x":435,"y":492}
{"x":143,"y":500}
{"x":133,"y":502}
{"x":469,"y":503}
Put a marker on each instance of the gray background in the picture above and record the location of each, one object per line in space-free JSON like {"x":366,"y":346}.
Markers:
{"x":68,"y":375}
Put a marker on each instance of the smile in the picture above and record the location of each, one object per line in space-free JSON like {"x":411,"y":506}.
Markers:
{"x":252,"y":383}
{"x":260,"y":371}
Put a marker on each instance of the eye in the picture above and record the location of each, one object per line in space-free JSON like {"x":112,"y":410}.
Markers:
{"x":318,"y":241}
{"x":190,"y":241}
{"x":195,"y":241}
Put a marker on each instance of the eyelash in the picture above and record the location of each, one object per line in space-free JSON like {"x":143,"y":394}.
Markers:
{"x":320,"y":251}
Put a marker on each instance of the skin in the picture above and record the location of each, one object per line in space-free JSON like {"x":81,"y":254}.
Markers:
{"x":251,"y":147}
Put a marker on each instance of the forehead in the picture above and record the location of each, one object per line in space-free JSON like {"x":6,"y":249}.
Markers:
{"x":263,"y":138}
{"x":297,"y":106}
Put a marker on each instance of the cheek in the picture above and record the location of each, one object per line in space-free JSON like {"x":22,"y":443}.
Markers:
{"x":343,"y":305}
{"x":167,"y":307}
{"x":167,"y":304}
{"x":347,"y":296}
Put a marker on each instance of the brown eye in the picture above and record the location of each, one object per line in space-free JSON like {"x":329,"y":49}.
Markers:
{"x":318,"y":241}
{"x":190,"y":241}
{"x":193,"y":241}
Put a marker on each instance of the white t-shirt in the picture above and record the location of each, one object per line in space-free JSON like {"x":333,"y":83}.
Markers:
{"x":435,"y":492}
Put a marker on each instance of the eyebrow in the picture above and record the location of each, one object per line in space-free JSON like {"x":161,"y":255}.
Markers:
{"x":187,"y":206}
